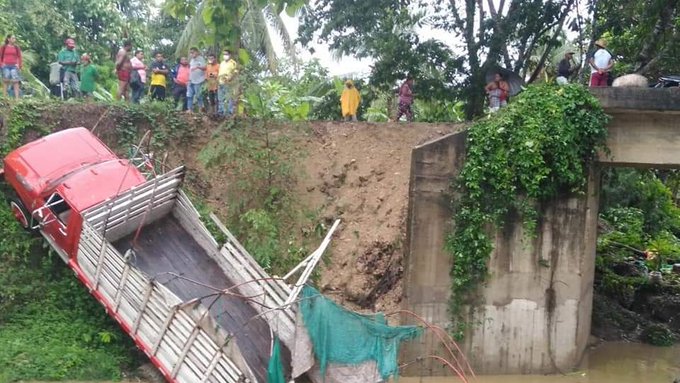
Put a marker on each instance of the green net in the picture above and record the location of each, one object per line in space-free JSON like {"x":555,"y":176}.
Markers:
{"x":275,"y":368}
{"x":345,"y":337}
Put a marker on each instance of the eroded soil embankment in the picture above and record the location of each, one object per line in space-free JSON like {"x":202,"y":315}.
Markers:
{"x":357,"y":172}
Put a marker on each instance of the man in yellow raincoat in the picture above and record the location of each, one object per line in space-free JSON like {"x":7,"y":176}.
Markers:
{"x":350,"y":101}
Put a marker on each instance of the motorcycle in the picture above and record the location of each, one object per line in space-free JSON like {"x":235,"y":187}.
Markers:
{"x":667,"y":82}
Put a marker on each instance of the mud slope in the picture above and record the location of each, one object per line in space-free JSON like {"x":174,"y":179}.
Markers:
{"x":360,"y":174}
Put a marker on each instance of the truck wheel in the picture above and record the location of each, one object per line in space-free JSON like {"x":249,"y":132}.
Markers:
{"x":20,"y":212}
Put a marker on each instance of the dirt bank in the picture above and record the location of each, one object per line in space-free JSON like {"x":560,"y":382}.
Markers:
{"x":357,"y":172}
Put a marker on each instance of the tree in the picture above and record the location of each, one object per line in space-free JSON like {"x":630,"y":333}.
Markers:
{"x":98,"y":26}
{"x":491,"y":34}
{"x":235,"y":24}
{"x":644,"y":35}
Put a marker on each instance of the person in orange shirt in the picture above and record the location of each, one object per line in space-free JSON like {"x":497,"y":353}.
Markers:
{"x":212,"y":71}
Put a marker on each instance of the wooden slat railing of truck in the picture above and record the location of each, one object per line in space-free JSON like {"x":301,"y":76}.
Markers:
{"x":154,"y":316}
{"x":181,"y":338}
{"x":138,"y":206}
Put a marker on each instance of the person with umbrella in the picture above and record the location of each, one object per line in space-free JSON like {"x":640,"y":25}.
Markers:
{"x":497,"y":91}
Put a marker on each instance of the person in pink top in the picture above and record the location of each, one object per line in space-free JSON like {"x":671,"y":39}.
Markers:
{"x":10,"y":62}
{"x":137,"y":84}
{"x":406,"y":100}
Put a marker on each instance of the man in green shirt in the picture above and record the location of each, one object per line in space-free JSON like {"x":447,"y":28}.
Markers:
{"x":88,"y":76}
{"x":68,"y":58}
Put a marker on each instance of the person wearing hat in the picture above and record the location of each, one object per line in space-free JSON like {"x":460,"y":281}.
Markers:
{"x":88,"y":76}
{"x":349,"y":101}
{"x":564,"y":68}
{"x":600,"y":64}
{"x":68,"y":58}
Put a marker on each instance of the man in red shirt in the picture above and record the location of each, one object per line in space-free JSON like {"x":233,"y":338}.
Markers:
{"x":10,"y":62}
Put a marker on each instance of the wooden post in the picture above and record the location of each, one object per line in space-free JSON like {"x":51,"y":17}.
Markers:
{"x":145,"y":302}
{"x":164,"y":329}
{"x":185,"y":351}
{"x":121,"y":286}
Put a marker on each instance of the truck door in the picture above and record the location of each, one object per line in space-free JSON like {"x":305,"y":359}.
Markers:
{"x":52,"y":218}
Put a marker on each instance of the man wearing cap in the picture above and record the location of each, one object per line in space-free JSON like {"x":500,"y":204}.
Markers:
{"x":68,"y":58}
{"x":564,"y":69}
{"x":600,"y":64}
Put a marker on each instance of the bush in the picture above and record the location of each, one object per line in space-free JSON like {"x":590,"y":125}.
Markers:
{"x":658,"y":335}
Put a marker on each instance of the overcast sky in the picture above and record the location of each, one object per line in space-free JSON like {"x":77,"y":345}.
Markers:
{"x":346,"y":65}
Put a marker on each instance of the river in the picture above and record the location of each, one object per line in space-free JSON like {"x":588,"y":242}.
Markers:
{"x":608,"y":363}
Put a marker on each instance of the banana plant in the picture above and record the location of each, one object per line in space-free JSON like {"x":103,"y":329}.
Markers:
{"x":236,"y":24}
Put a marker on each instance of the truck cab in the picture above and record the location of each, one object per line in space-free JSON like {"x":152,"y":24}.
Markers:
{"x":57,"y":177}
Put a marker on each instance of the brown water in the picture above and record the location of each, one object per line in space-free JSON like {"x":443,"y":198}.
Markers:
{"x":608,"y":363}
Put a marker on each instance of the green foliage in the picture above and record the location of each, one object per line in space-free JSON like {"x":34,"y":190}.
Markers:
{"x":645,"y":190}
{"x":24,"y":117}
{"x":387,"y":31}
{"x":642,"y":34}
{"x":658,"y":335}
{"x":627,"y":228}
{"x":439,"y":111}
{"x":273,"y":101}
{"x":261,"y":232}
{"x":133,"y":120}
{"x":50,"y":328}
{"x":621,"y":288}
{"x":537,"y":148}
{"x":248,"y":24}
{"x":262,"y":210}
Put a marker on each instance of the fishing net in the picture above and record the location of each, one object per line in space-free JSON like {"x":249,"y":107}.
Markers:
{"x":275,"y":368}
{"x":345,"y":337}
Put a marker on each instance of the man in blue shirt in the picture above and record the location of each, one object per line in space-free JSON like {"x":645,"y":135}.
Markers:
{"x":197,"y":67}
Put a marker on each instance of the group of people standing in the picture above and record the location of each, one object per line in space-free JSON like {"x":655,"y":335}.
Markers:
{"x":600,"y":62}
{"x":188,"y":80}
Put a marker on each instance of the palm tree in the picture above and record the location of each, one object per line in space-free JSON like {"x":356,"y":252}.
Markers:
{"x":257,"y":22}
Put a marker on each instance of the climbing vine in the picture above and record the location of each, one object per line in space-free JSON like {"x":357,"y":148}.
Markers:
{"x":538,"y":147}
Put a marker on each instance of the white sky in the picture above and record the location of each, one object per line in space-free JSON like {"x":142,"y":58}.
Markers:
{"x":345,"y":66}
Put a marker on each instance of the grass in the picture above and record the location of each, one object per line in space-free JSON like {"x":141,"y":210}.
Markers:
{"x":63,"y":335}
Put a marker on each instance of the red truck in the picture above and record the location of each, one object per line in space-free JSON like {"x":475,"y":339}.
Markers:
{"x":140,"y":248}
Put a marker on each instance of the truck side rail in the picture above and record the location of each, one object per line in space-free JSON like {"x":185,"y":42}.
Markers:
{"x":153,"y":316}
{"x":180,"y":337}
{"x":138,"y":206}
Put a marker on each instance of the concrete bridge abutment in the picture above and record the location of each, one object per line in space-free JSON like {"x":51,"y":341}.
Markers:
{"x":534,"y":313}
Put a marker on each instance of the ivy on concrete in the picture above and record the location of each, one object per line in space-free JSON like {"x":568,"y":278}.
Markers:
{"x":537,"y":148}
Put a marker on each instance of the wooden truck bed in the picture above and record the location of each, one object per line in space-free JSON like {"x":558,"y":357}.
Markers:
{"x":148,"y":258}
{"x":166,"y":251}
